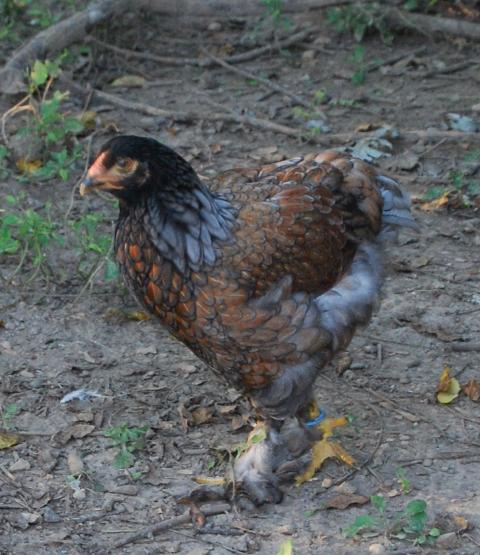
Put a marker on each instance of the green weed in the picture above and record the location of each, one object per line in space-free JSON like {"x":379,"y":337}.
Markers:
{"x":358,"y":59}
{"x":360,"y":19}
{"x":128,"y":440}
{"x":8,"y":413}
{"x":49,"y":123}
{"x":409,"y":524}
{"x":29,"y":233}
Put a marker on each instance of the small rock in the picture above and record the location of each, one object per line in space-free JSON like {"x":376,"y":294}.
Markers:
{"x":75,"y":463}
{"x":171,"y":547}
{"x":286,"y":529}
{"x":327,"y":483}
{"x":19,"y":465}
{"x":427,"y":462}
{"x":358,"y":366}
{"x":308,"y":55}
{"x":49,"y":515}
{"x":376,"y":548}
{"x":79,"y":494}
{"x":214,"y":26}
{"x":404,"y":379}
{"x":124,"y":490}
{"x":199,"y":551}
{"x":446,"y":541}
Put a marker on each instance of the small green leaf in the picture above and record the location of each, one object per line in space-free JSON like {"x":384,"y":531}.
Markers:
{"x":360,"y":523}
{"x":416,"y":506}
{"x":378,"y":501}
{"x":123,"y":459}
{"x":434,"y":532}
{"x":286,"y":548}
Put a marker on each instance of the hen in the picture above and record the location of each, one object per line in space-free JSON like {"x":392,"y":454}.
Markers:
{"x":264,"y":273}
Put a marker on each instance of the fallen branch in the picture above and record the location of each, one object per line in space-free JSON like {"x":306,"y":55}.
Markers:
{"x":223,"y":9}
{"x":54,"y":39}
{"x":430,"y":24}
{"x":150,"y":531}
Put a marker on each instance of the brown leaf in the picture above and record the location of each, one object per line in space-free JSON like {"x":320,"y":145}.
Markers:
{"x":461,"y":522}
{"x":202,"y":415}
{"x":239,"y":421}
{"x":472,"y":390}
{"x":30,"y":167}
{"x":225,"y":410}
{"x":129,"y":81}
{"x":342,"y":501}
{"x":81,"y":430}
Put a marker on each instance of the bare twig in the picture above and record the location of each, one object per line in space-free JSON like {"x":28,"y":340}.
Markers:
{"x":205,"y":62}
{"x":171,"y":523}
{"x":465,"y":347}
{"x":373,"y":66}
{"x":263,"y":81}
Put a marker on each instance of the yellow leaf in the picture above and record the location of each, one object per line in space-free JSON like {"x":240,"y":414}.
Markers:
{"x":448,"y":388}
{"x":436,"y":204}
{"x":129,"y":81}
{"x":28,"y":166}
{"x":88,"y":119}
{"x":207,"y":481}
{"x":8,"y":440}
{"x":286,"y":548}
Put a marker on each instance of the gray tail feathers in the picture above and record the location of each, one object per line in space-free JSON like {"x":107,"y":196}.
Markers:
{"x":396,"y":208}
{"x":351,"y":301}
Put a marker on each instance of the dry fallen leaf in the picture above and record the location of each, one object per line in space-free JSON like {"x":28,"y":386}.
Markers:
{"x":448,"y":388}
{"x":88,"y":119}
{"x":8,"y":440}
{"x":436,"y":204}
{"x":461,"y":522}
{"x":342,"y":501}
{"x":472,"y":390}
{"x":129,"y":81}
{"x":28,"y":166}
{"x":202,"y":415}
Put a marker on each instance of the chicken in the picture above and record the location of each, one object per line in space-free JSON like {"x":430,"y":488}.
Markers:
{"x":264,"y":274}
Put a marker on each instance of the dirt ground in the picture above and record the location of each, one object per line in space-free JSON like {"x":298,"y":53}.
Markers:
{"x":53,"y":342}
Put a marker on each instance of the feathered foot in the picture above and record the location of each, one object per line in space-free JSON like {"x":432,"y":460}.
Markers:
{"x":254,"y":471}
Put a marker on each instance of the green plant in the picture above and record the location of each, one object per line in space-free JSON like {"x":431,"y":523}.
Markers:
{"x":358,"y":58}
{"x":91,"y":240}
{"x":3,"y":162}
{"x":360,"y":19}
{"x":410,"y":524}
{"x":49,"y":124}
{"x":28,"y":232}
{"x":462,"y":180}
{"x":419,"y":5}
{"x":403,"y":480}
{"x":275,"y":11}
{"x":128,"y":440}
{"x":8,"y":413}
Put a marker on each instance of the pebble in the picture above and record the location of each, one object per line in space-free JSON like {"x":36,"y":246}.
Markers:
{"x":308,"y":55}
{"x":358,"y":366}
{"x":286,"y":529}
{"x":19,"y":465}
{"x":49,"y":515}
{"x":214,"y":26}
{"x":404,"y":379}
{"x":376,"y":548}
{"x":427,"y":462}
{"x":327,"y":483}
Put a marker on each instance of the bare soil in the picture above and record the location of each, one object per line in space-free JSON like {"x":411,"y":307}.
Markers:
{"x":53,"y":342}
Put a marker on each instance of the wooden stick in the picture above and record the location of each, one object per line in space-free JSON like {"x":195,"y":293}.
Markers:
{"x":428,"y":24}
{"x":54,"y":39}
{"x":222,"y":9}
{"x":171,"y":523}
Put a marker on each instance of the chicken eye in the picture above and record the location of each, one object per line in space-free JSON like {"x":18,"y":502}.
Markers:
{"x":123,"y":164}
